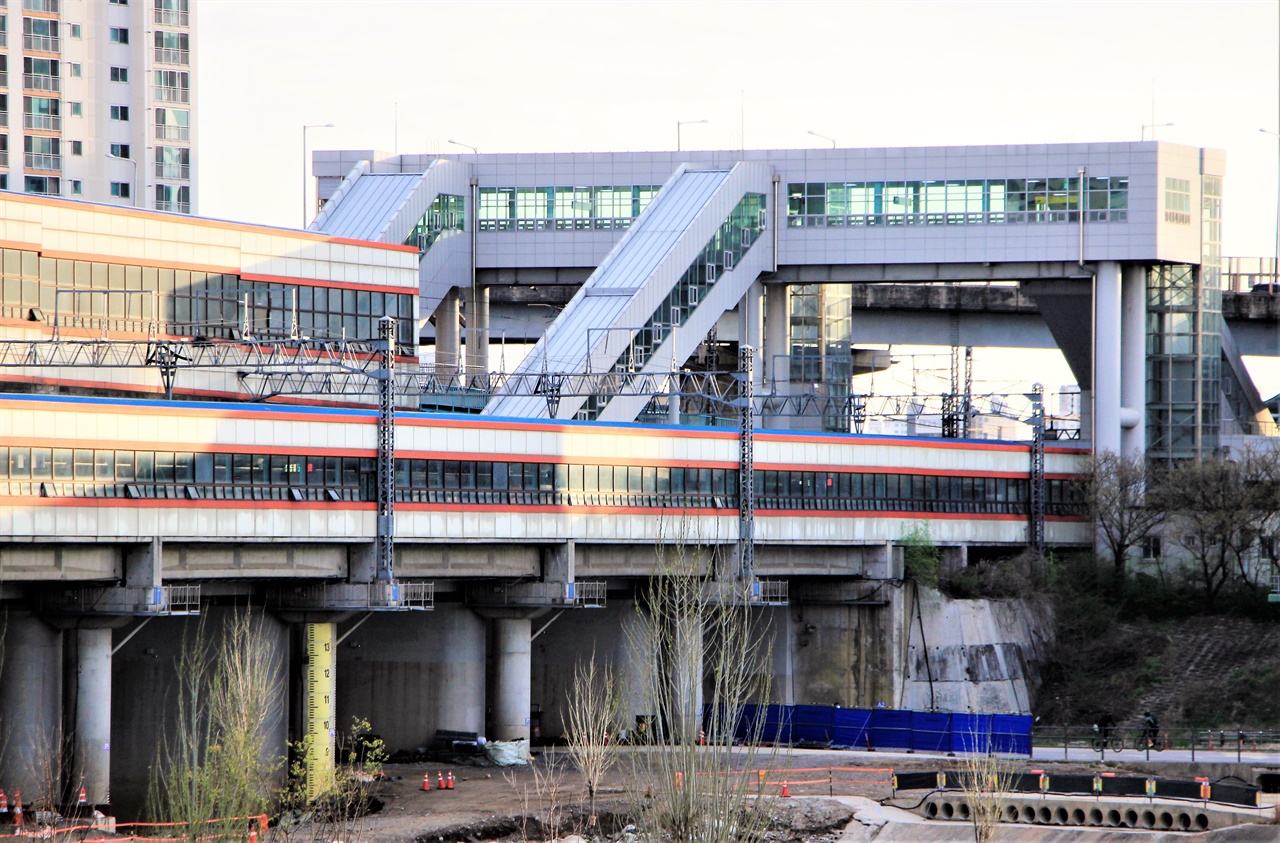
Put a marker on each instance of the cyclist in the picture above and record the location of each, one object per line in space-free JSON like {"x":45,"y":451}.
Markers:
{"x":1150,"y":729}
{"x":1105,"y":727}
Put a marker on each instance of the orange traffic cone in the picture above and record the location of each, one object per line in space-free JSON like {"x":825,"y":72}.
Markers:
{"x":439,"y":780}
{"x":4,"y":803}
{"x":648,"y":791}
{"x":17,"y":807}
{"x":253,"y":834}
{"x":448,"y":783}
{"x":426,"y":782}
{"x":83,"y":799}
{"x":786,"y":791}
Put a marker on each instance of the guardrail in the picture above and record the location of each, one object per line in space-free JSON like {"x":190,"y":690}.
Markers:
{"x":1130,"y":742}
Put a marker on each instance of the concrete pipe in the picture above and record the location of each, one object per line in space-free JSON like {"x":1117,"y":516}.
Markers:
{"x":1184,"y":822}
{"x":1148,"y":819}
{"x":948,"y":810}
{"x":1202,"y":822}
{"x":1130,"y":819}
{"x":1060,"y":815}
{"x":1166,"y":820}
{"x":1011,"y":813}
{"x":931,"y":810}
{"x":1044,"y":816}
{"x":1113,"y":819}
{"x":1077,"y":817}
{"x":962,"y":810}
{"x":1028,"y":814}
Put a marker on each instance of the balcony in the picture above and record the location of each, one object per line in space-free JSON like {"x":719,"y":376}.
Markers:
{"x":169,"y":55}
{"x":175,"y":207}
{"x":172,"y":17}
{"x":42,"y":43}
{"x":53,"y":7}
{"x":165,"y":93}
{"x":172,"y":171}
{"x":40,"y":82}
{"x":42,"y":122}
{"x":43,"y":161}
{"x":173,"y":133}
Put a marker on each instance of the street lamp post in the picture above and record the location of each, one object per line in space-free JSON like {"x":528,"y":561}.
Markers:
{"x":474,"y":151}
{"x":133,"y":186}
{"x":305,"y":127}
{"x":1153,"y":127}
{"x":682,"y":123}
{"x":1275,"y":267}
{"x":824,"y":137}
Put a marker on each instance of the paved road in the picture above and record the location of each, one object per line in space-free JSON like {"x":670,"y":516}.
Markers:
{"x":1180,"y":756}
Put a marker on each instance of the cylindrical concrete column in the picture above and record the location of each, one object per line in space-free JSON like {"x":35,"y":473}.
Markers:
{"x":91,"y":759}
{"x":512,"y":674}
{"x":30,"y":705}
{"x":1106,"y":358}
{"x":448,"y":328}
{"x":686,"y":677}
{"x":751,"y":323}
{"x":1133,"y":358}
{"x":478,"y":333}
{"x":776,"y":324}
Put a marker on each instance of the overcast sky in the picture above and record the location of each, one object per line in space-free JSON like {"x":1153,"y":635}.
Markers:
{"x":593,"y":76}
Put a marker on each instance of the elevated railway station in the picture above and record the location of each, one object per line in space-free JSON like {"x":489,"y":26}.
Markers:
{"x":199,"y":415}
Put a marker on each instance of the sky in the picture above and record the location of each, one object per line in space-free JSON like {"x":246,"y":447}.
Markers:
{"x":410,"y":75}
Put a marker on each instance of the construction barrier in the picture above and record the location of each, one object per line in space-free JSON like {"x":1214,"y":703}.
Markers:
{"x":876,"y":728}
{"x":81,"y":833}
{"x":1101,"y":785}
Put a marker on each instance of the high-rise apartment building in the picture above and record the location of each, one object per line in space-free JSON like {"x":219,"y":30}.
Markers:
{"x":99,"y":96}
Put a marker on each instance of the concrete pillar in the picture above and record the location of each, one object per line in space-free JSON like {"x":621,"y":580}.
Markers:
{"x":776,"y":327}
{"x":448,"y":328}
{"x":751,"y":326}
{"x":1106,"y":358}
{"x":478,"y":332}
{"x":30,"y":705}
{"x":91,"y":697}
{"x":1133,"y":360}
{"x":142,"y":565}
{"x":512,"y":674}
{"x":686,"y":677}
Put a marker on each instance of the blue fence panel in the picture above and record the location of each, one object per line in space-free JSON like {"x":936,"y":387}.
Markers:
{"x":812,"y":724}
{"x":776,"y":726}
{"x":1011,"y":733}
{"x":970,"y":732}
{"x":931,"y":731}
{"x":851,"y":727}
{"x":890,"y":728}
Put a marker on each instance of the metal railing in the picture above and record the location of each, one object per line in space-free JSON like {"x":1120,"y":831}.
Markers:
{"x":173,"y":133}
{"x":172,"y":55}
{"x":172,"y":17}
{"x":42,"y":43}
{"x":1242,"y":275}
{"x":168,"y":93}
{"x":587,"y":593}
{"x":42,"y":122}
{"x":175,"y":207}
{"x":42,"y":161}
{"x":1131,"y":741}
{"x":40,"y":82}
{"x":165,"y":170}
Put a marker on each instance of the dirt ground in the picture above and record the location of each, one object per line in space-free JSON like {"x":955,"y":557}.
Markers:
{"x":490,"y":803}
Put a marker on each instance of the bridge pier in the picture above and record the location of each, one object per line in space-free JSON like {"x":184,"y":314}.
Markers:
{"x":1133,"y":360}
{"x":30,"y":703}
{"x":87,"y":687}
{"x":512,"y":669}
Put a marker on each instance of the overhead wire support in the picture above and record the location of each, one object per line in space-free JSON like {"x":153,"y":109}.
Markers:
{"x":386,"y":378}
{"x":746,"y":463}
{"x":1035,"y":525}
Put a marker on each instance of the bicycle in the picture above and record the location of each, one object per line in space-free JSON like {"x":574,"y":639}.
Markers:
{"x":1109,"y":738}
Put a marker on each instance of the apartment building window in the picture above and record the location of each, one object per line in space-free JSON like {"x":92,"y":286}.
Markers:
{"x":76,"y":109}
{"x":4,"y":31}
{"x":40,"y":35}
{"x":41,"y":74}
{"x":120,"y":150}
{"x":173,"y":162}
{"x":120,"y":189}
{"x":4,"y":70}
{"x":119,"y":112}
{"x":77,"y":147}
{"x":119,"y":2}
{"x":42,"y":153}
{"x":173,"y":86}
{"x":119,"y":35}
{"x":50,"y":6}
{"x":4,"y":181}
{"x":173,"y":12}
{"x":119,"y":74}
{"x":173,"y":47}
{"x":4,"y":151}
{"x":77,"y":187}
{"x":173,"y":124}
{"x":4,"y":110}
{"x":173,"y":198}
{"x":75,"y":70}
{"x":46,"y":185}
{"x":43,"y":114}
{"x":75,"y":31}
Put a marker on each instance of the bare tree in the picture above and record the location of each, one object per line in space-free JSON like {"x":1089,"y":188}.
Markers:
{"x":699,"y":633}
{"x":212,"y":772}
{"x":1219,"y":508}
{"x":987,"y":780}
{"x":1115,"y":492}
{"x":593,"y":706}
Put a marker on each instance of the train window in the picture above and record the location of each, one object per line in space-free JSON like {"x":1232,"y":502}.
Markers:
{"x":452,"y":479}
{"x":241,"y":469}
{"x":467,"y":474}
{"x":718,"y":476}
{"x":204,"y":468}
{"x":402,"y":473}
{"x":500,"y":476}
{"x":561,"y":477}
{"x":184,"y":467}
